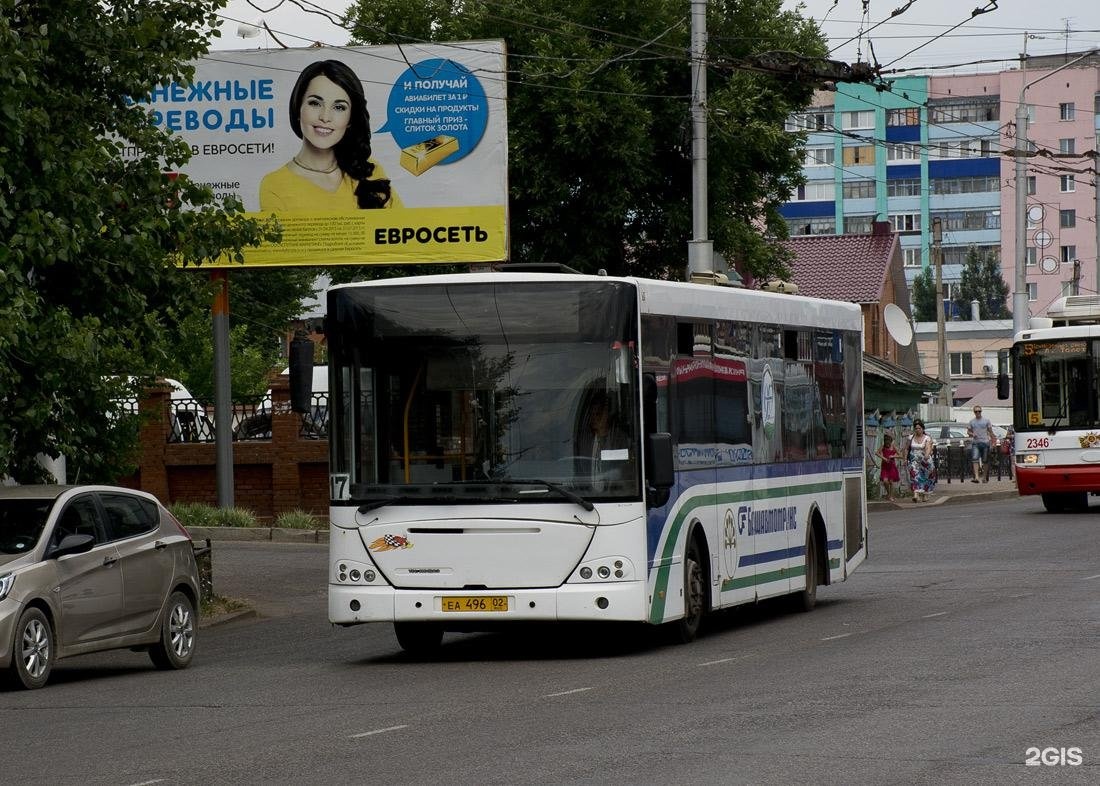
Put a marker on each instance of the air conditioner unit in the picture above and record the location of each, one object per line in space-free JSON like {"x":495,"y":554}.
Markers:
{"x":987,"y":369}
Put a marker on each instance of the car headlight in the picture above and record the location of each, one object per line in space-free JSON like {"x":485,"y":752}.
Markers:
{"x":5,"y":584}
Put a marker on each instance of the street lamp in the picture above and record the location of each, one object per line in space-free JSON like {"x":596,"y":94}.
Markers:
{"x":1020,"y":311}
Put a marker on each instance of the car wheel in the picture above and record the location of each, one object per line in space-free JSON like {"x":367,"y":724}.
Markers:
{"x":176,"y":645}
{"x":33,"y":654}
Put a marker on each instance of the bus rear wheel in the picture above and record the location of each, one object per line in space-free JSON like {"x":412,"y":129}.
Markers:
{"x":418,"y":638}
{"x":807,"y":598}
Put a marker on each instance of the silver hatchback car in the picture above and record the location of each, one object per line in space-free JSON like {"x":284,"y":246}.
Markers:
{"x":89,"y":568}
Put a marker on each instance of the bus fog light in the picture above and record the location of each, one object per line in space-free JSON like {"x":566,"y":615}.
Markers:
{"x":604,"y":571}
{"x":601,"y":602}
{"x":586,"y":573}
{"x":354,"y":605}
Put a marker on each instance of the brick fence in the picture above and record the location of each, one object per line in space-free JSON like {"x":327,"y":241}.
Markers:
{"x":284,"y":473}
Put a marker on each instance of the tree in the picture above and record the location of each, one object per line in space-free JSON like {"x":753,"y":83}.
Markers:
{"x":982,"y":280}
{"x":924,"y":296}
{"x":599,"y":123}
{"x":93,"y":226}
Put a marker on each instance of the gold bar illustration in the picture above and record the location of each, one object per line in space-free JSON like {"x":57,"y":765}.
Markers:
{"x":422,"y":156}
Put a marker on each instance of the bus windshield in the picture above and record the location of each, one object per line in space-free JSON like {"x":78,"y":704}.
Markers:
{"x":1057,"y":384}
{"x":470,"y":392}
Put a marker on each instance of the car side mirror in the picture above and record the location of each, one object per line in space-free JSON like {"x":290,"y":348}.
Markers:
{"x":1003,"y":388}
{"x":72,"y":544}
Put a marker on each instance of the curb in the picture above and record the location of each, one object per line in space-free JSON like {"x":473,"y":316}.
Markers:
{"x":942,"y":499}
{"x":275,"y":534}
{"x":224,"y":619}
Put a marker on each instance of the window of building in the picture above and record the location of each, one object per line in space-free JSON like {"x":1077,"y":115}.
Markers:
{"x":961,"y":363}
{"x":1066,"y":111}
{"x":958,"y":220}
{"x":1069,"y":288}
{"x":905,"y":222}
{"x":858,"y":225}
{"x":850,"y":121}
{"x":819,"y":156}
{"x":814,"y":191}
{"x":1032,"y":291}
{"x":1069,"y":253}
{"x":812,"y":226}
{"x":965,"y":185}
{"x":1032,"y":256}
{"x":903,"y":187}
{"x":1067,"y":183}
{"x":989,"y":147}
{"x":965,"y":111}
{"x":1067,"y":145}
{"x":903,"y":117}
{"x":956,"y":255}
{"x":859,"y":189}
{"x":859,"y":154}
{"x":902,"y":151}
{"x":1067,"y":218}
{"x":817,"y":120}
{"x":911,"y":257}
{"x":1030,"y":184}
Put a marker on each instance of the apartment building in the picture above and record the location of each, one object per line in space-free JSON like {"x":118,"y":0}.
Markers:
{"x":941,"y":147}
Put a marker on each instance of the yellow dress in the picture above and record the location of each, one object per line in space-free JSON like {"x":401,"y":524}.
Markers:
{"x":283,"y":191}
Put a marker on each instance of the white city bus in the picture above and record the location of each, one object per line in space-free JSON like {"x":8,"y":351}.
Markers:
{"x":468,"y":489}
{"x":1056,"y":404}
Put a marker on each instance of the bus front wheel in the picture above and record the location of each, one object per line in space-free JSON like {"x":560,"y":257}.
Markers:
{"x":695,"y":602}
{"x":807,"y":598}
{"x":418,"y":638}
{"x":1059,"y":503}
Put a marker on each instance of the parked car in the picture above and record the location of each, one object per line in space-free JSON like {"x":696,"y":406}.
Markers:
{"x":90,"y":568}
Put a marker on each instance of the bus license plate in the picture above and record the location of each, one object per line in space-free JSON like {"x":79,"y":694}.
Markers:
{"x":476,"y":603}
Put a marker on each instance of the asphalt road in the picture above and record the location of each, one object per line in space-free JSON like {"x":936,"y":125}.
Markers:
{"x":970,"y":636}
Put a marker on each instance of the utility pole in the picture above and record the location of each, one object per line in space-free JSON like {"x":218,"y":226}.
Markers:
{"x":223,"y":413}
{"x":1020,"y":313}
{"x":700,"y":248}
{"x":941,"y":329}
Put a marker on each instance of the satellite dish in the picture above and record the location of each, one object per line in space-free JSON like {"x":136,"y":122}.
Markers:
{"x":897,"y":325}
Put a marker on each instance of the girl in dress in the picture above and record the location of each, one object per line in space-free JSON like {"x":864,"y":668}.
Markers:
{"x":888,"y":472}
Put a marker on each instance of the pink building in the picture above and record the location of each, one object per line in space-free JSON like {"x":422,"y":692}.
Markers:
{"x":1063,"y":209}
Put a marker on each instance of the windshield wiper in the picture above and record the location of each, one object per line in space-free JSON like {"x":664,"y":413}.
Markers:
{"x":381,"y":502}
{"x":560,"y":490}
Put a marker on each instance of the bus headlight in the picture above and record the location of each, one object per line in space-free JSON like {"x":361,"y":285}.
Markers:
{"x":605,"y":569}
{"x":1028,"y":459}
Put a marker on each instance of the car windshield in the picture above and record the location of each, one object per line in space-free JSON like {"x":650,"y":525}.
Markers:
{"x":21,"y":523}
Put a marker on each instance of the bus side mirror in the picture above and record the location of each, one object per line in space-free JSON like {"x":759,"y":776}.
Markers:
{"x":659,"y":469}
{"x":301,"y":373}
{"x":1002,"y":386}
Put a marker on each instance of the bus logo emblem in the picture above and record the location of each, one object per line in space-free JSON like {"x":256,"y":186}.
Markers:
{"x":389,"y":543}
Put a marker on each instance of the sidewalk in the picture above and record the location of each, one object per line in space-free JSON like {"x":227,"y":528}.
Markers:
{"x":951,"y":493}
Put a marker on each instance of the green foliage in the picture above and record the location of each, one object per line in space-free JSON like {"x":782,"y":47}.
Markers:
{"x":983,"y":281}
{"x":296,"y":519}
{"x":93,"y":231}
{"x":599,"y":124}
{"x":196,"y":514}
{"x":924,"y":296}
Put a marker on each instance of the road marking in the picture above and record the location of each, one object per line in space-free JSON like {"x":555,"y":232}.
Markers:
{"x":834,"y":638}
{"x":930,"y":616}
{"x":1089,"y":578}
{"x":566,"y":692}
{"x":716,"y":662}
{"x":377,"y":731}
{"x":148,"y":783}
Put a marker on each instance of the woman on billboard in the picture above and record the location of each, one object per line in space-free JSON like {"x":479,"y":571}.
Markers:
{"x":333,"y":170}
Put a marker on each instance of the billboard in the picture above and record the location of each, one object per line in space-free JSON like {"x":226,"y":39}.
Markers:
{"x":367,"y":155}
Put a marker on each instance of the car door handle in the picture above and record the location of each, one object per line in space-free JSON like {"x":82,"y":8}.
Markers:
{"x":160,"y":544}
{"x":109,"y":561}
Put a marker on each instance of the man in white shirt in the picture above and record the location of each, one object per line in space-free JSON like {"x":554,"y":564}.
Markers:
{"x":981,"y":438}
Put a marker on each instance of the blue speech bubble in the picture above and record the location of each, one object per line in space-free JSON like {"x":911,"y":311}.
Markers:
{"x":437,"y":97}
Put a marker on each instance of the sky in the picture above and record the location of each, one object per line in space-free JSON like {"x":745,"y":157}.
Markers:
{"x":997,"y":35}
